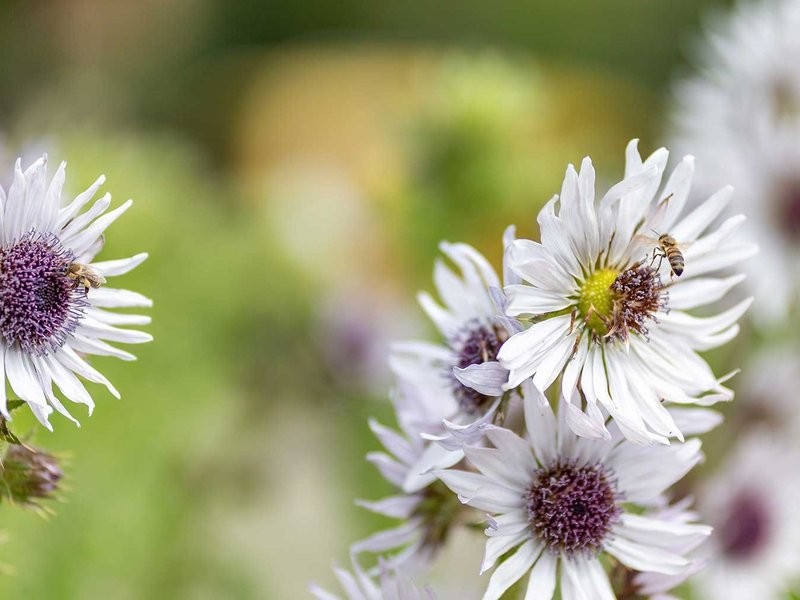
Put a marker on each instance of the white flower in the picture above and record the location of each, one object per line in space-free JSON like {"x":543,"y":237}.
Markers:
{"x":49,"y":317}
{"x":752,"y":505}
{"x":393,"y":584}
{"x":428,"y":512}
{"x":607,"y":316}
{"x":740,"y":116}
{"x":557,"y":499}
{"x":459,"y":381}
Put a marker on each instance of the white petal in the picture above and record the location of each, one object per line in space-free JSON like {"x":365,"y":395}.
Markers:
{"x":512,"y":569}
{"x":398,"y":507}
{"x":696,"y":222}
{"x":497,"y":546}
{"x":121,"y":266}
{"x":644,"y":558}
{"x":486,"y":378}
{"x":696,"y":292}
{"x":420,"y":473}
{"x":542,"y":584}
{"x":79,"y":202}
{"x":388,"y":538}
{"x":83,"y":240}
{"x":117,"y":298}
{"x":540,"y":423}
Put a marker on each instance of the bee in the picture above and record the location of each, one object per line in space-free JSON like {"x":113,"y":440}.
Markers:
{"x":666,"y":247}
{"x":669,"y":249}
{"x":85,"y":275}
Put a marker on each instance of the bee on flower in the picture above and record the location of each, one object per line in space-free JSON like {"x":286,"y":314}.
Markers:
{"x":606,"y":321}
{"x":53,"y":312}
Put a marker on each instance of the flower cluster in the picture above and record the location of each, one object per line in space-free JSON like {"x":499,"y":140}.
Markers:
{"x":565,"y":401}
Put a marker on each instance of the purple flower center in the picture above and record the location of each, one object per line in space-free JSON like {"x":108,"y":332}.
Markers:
{"x":39,"y":304}
{"x":479,"y":343}
{"x":638,"y":295}
{"x":572,"y":509}
{"x":746,"y":527}
{"x":789,"y":213}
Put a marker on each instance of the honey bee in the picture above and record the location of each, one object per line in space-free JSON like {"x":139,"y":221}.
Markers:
{"x":667,"y":247}
{"x":85,"y":275}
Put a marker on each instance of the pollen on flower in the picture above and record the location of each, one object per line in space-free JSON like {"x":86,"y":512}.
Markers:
{"x":479,"y":343}
{"x":596,"y":301}
{"x":39,"y":303}
{"x":572,"y":509}
{"x":638,"y":295}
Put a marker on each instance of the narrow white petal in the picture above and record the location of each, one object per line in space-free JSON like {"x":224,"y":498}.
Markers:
{"x":22,"y":377}
{"x":82,"y":241}
{"x":514,"y":568}
{"x":67,"y":357}
{"x":540,"y":423}
{"x":111,"y":268}
{"x":68,"y":212}
{"x":645,"y":558}
{"x":420,"y":473}
{"x":497,"y":546}
{"x":398,"y":507}
{"x":542,"y":583}
{"x":691,"y":226}
{"x":116,"y":298}
{"x":388,"y":538}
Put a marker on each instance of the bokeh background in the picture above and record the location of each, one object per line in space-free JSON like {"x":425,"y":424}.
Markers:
{"x":293,"y":167}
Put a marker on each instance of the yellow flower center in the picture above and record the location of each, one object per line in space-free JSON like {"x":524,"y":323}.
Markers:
{"x":596,"y":301}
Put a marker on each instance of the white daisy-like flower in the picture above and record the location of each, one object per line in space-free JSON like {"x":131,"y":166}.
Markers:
{"x":392,"y":584}
{"x":608,"y":311}
{"x":459,"y":381}
{"x":428,"y":513}
{"x":50,"y":319}
{"x":740,"y":116}
{"x":752,"y":504}
{"x":559,"y":501}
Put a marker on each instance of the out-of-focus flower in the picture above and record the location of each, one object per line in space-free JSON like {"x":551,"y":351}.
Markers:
{"x":29,"y":475}
{"x":657,"y":586}
{"x":430,"y":510}
{"x":740,"y":116}
{"x":49,"y":316}
{"x":461,"y":380}
{"x":752,"y":505}
{"x":609,"y":314}
{"x":562,"y":500}
{"x":392,"y":584}
{"x":356,"y":327}
{"x":767,"y":394}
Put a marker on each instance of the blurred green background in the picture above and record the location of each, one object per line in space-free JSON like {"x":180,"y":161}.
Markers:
{"x":293,"y":166}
